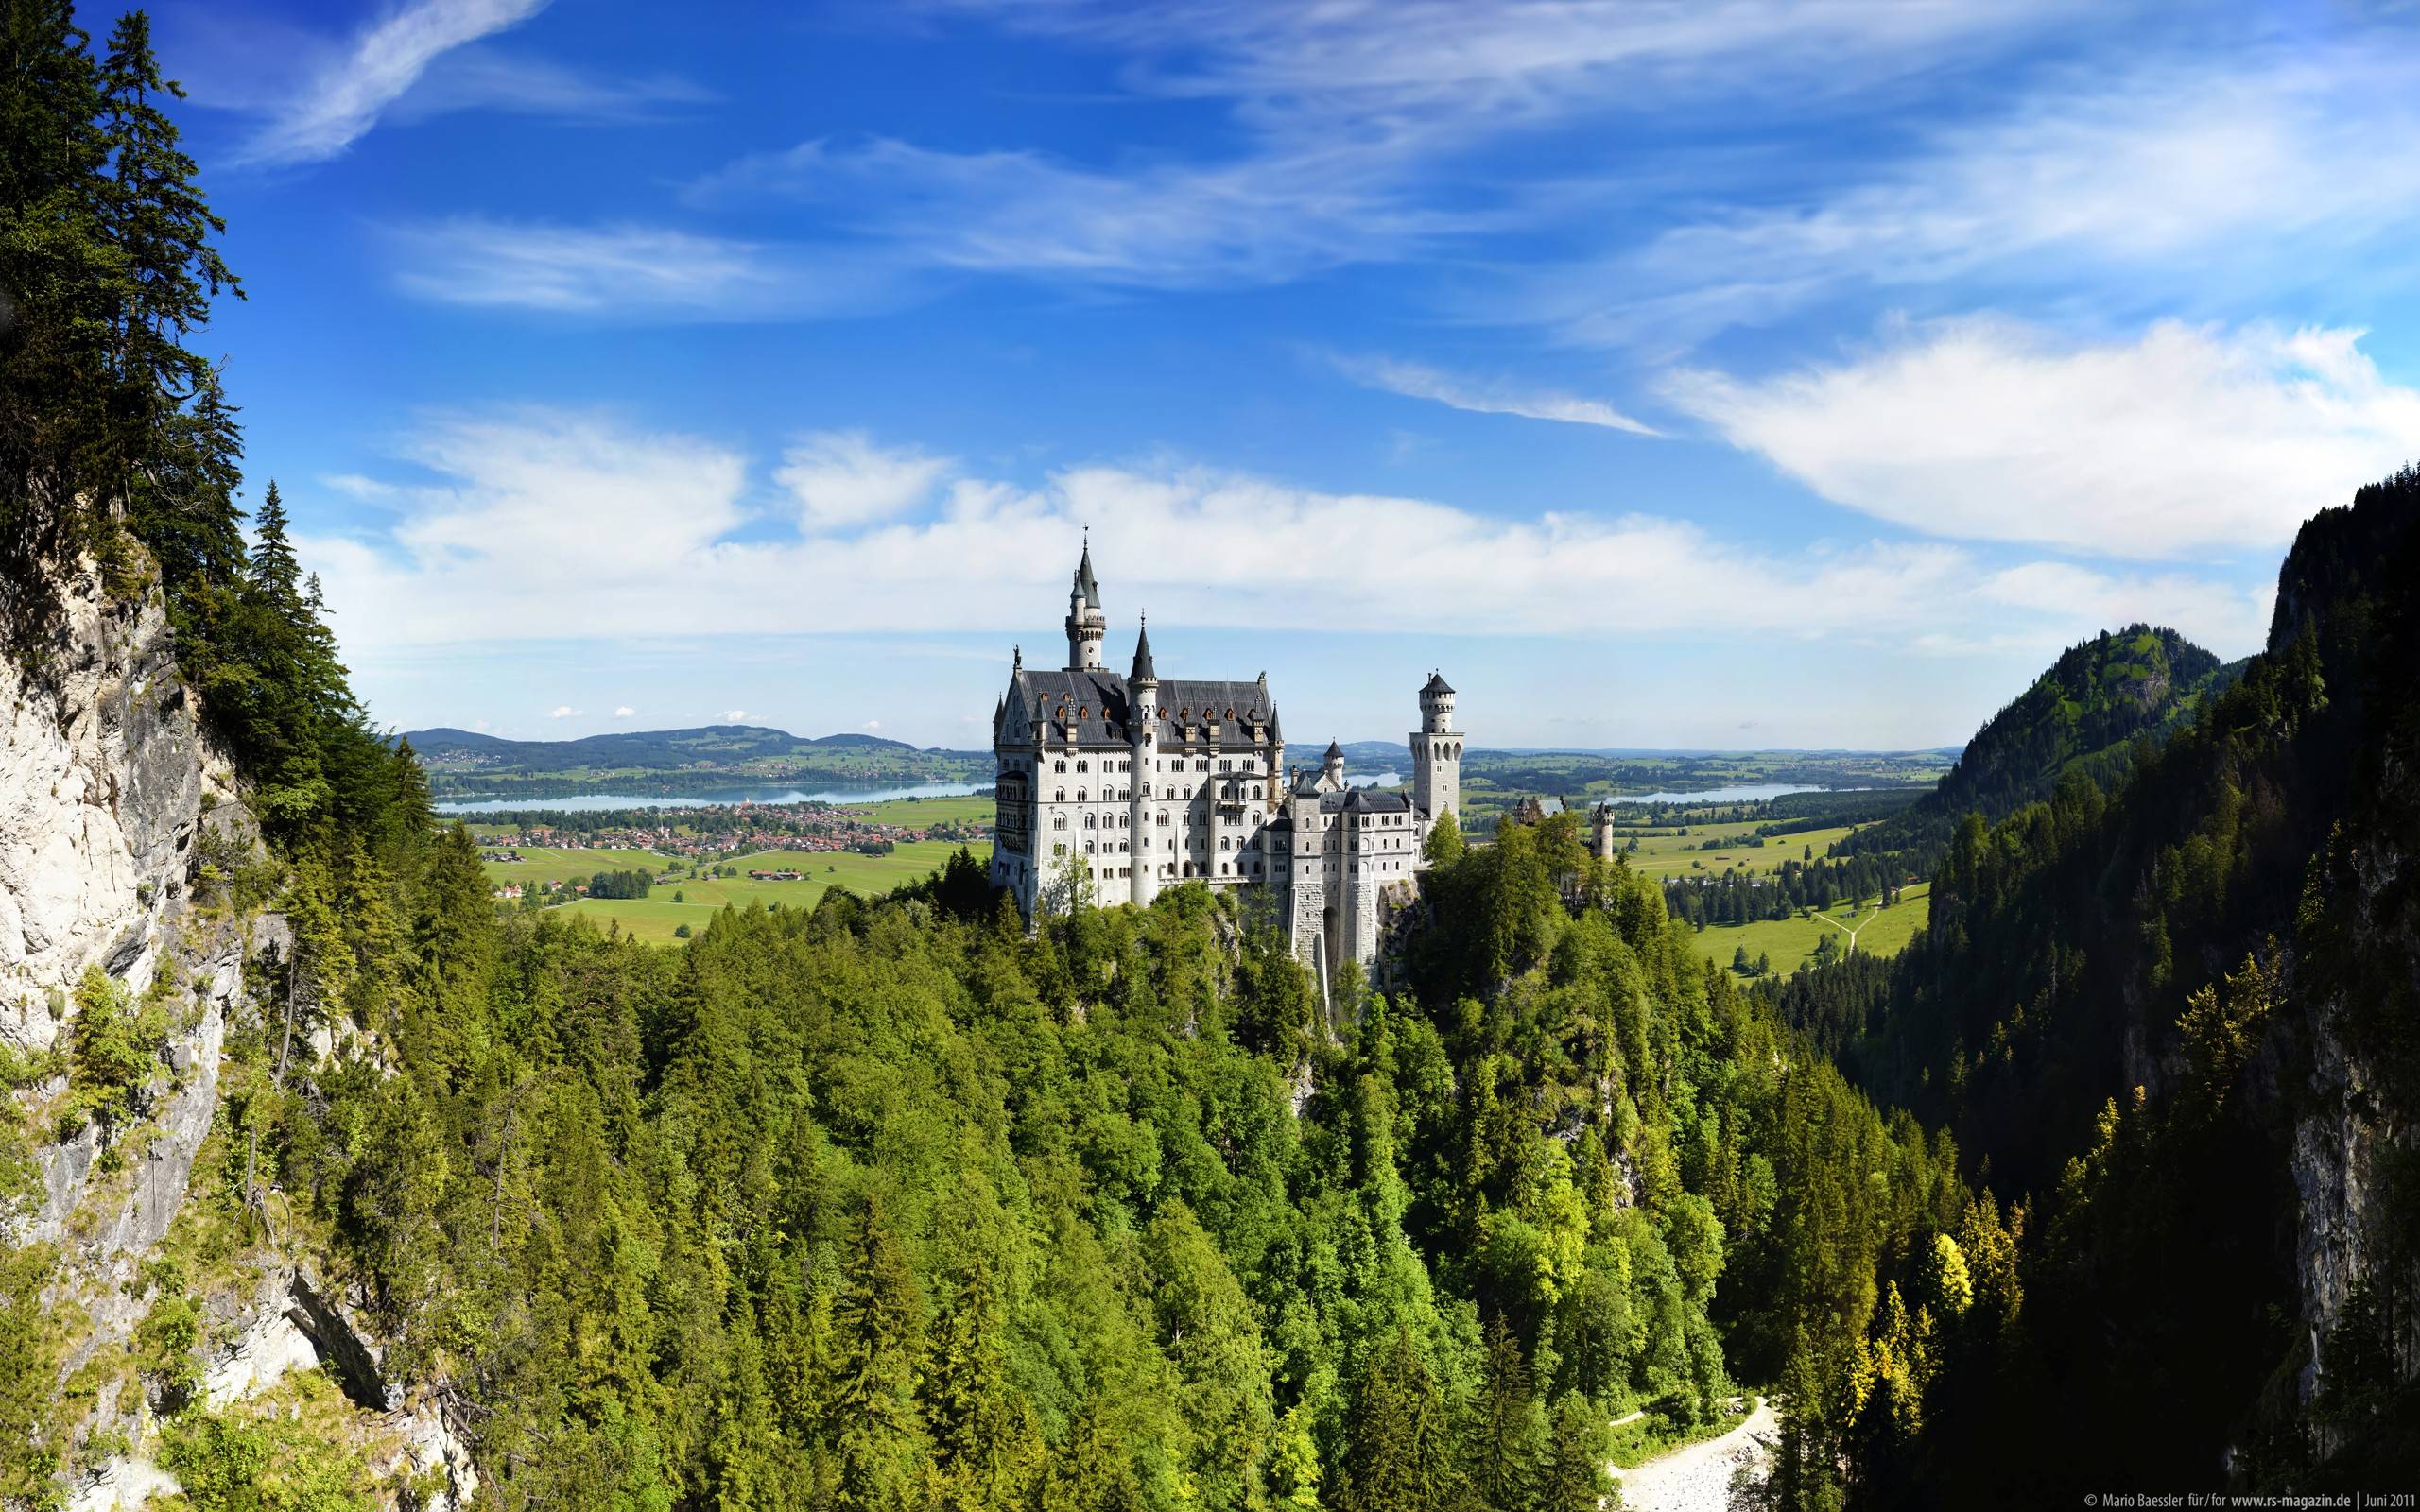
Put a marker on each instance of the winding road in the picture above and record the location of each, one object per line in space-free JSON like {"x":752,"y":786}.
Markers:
{"x":1697,"y":1477}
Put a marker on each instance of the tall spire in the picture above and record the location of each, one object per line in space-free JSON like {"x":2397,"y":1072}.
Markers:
{"x":1143,"y":671}
{"x":1084,"y":583}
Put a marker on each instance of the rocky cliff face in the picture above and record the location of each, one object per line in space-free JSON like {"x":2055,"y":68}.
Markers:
{"x":106,"y":789}
{"x":120,"y":826}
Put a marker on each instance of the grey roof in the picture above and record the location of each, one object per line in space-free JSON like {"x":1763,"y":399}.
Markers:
{"x":1143,"y":658}
{"x":1335,"y":753}
{"x":1084,"y":578}
{"x":1096,"y":706}
{"x":1363,"y":801}
{"x":1436,"y":683}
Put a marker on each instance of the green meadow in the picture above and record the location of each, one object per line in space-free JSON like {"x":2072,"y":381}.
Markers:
{"x":917,"y":812}
{"x":547,"y":863}
{"x":1791,"y":941}
{"x":1662,"y":855}
{"x":656,"y":915}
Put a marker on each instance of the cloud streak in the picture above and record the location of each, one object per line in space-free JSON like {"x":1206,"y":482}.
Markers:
{"x":2187,"y":440}
{"x":1416,"y":381}
{"x":344,"y":99}
{"x":662,"y":517}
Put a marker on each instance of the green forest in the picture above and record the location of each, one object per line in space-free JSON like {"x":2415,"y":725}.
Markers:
{"x":909,"y":1203}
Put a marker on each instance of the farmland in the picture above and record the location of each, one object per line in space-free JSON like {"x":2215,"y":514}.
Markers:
{"x":1791,"y":941}
{"x":656,"y":915}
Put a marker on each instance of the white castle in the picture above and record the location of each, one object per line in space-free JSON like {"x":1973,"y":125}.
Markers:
{"x":1112,"y":788}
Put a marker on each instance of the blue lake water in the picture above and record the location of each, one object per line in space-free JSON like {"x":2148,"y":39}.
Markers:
{"x":1736,"y":793}
{"x":712,"y":798}
{"x":718,"y":797}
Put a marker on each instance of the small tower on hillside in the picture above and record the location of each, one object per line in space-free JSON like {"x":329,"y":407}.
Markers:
{"x":1142,"y":737}
{"x":1437,"y":753}
{"x":1086,"y":625}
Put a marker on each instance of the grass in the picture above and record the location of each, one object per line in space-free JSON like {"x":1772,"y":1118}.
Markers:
{"x":915,"y":813}
{"x":654,"y":917}
{"x":1790,"y":941}
{"x":540,"y":863}
{"x":1664,"y":855}
{"x":1636,"y":1442}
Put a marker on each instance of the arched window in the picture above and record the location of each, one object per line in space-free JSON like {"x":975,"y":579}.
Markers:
{"x":1088,"y":821}
{"x":1163,"y":818}
{"x":1084,"y":766}
{"x":1058,"y":794}
{"x":1058,"y":821}
{"x":1057,"y":767}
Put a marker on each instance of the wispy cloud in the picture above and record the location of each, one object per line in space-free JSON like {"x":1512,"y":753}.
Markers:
{"x":841,"y":479}
{"x":1417,"y":381}
{"x":344,"y":99}
{"x":2236,"y":169}
{"x":662,"y":516}
{"x":2188,"y":440}
{"x":477,"y":77}
{"x":632,"y":272}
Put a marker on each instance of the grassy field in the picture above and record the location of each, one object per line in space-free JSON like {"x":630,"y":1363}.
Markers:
{"x":917,"y":812}
{"x":655,"y":917}
{"x":1661,"y":855}
{"x":540,"y":864}
{"x":1790,"y":941}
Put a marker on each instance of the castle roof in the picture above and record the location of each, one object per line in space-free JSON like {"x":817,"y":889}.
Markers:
{"x":1364,"y":801}
{"x":1335,"y":753}
{"x":1143,"y":672}
{"x":1436,"y":683}
{"x":1096,"y":705}
{"x":1084,"y":583}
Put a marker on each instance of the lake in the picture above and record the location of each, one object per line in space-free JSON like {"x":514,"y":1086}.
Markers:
{"x":1736,"y":793}
{"x":719,"y":797}
{"x":712,"y":798}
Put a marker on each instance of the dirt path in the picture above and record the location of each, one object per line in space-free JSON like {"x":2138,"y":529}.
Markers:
{"x":1697,"y":1477}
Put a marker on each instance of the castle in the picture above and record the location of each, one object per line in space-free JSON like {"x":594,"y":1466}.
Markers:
{"x":1112,"y":788}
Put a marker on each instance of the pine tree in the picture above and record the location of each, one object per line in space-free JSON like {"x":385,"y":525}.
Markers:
{"x":1508,"y":1445}
{"x":1574,"y":1478}
{"x":1400,"y":1454}
{"x":984,"y":1442}
{"x":870,"y":1408}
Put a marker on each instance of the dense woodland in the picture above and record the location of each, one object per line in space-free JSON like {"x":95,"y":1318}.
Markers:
{"x":900,"y":1204}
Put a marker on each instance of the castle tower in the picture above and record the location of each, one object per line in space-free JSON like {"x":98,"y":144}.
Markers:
{"x":1142,"y":734}
{"x":1437,"y":753}
{"x":1086,"y":625}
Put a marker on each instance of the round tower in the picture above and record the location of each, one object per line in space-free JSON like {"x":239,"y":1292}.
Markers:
{"x":1086,"y":625}
{"x":1142,"y":739}
{"x":1437,"y":752}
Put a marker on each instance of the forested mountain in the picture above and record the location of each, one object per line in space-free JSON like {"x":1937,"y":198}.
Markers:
{"x":326,"y":1186}
{"x":2180,"y":1018}
{"x":2090,"y":715}
{"x":722,"y":746}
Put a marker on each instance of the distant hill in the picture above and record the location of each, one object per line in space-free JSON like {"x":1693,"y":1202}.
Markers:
{"x":716,"y":745}
{"x":2085,"y":714}
{"x":462,"y":761}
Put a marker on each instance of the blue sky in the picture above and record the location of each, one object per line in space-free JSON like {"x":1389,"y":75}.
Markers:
{"x":1719,"y":374}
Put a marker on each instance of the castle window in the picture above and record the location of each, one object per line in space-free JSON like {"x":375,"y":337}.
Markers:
{"x":1080,"y":794}
{"x":1059,"y":822}
{"x":1088,"y":848}
{"x":1058,"y":794}
{"x":1163,"y":818}
{"x":1088,"y":821}
{"x":1057,"y":767}
{"x":1084,"y":766}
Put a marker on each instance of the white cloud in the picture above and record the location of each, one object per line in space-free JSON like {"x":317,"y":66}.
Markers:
{"x":476,"y":78}
{"x":842,"y":479}
{"x":624,"y":712}
{"x":628,"y":272}
{"x":1414,"y":381}
{"x":487,"y":558}
{"x":734,"y":716}
{"x":345,"y":98}
{"x":2188,"y":440}
{"x":563,"y":711}
{"x":1357,"y":128}
{"x":871,"y":724}
{"x":2238,"y":168}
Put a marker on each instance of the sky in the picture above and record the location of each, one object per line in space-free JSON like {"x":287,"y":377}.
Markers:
{"x":1711,"y":374}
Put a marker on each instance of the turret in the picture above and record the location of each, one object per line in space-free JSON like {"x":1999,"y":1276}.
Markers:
{"x":1437,"y":752}
{"x":1332,"y":766}
{"x":1086,"y":625}
{"x":1142,"y":735}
